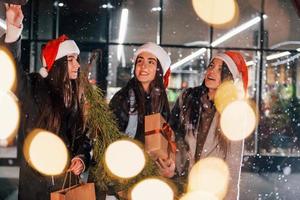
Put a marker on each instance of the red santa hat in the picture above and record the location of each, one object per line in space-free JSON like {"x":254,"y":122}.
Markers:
{"x":161,"y":55}
{"x":56,"y":49}
{"x":237,"y":66}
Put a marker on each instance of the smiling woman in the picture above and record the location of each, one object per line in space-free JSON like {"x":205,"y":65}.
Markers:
{"x":196,"y":121}
{"x":73,"y":66}
{"x":145,"y":93}
{"x":145,"y":69}
{"x":51,"y":101}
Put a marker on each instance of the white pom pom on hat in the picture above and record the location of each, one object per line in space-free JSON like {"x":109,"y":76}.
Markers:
{"x":43,"y":72}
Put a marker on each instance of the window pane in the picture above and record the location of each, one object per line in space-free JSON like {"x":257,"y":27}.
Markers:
{"x":248,"y":10}
{"x":9,"y":181}
{"x":26,"y":20}
{"x":89,"y":62}
{"x":84,"y":20}
{"x":142,"y":22}
{"x":283,"y":24}
{"x":34,"y":59}
{"x":181,"y":25}
{"x":280,"y":115}
{"x":190,"y":74}
{"x":119,"y":67}
{"x":44,"y":21}
{"x":8,"y":149}
{"x":93,"y":61}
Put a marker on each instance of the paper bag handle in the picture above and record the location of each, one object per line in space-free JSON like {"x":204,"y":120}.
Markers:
{"x":70,"y":180}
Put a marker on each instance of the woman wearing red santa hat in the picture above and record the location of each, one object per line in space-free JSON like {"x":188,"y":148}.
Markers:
{"x":195,"y":120}
{"x":50,"y":100}
{"x":144,"y":94}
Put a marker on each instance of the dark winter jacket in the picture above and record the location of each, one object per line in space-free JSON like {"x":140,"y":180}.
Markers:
{"x":32,"y":92}
{"x":120,"y":105}
{"x":185,"y":121}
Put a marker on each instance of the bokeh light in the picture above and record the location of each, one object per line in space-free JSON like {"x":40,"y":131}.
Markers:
{"x":226,"y":93}
{"x":152,"y":188}
{"x":199,"y":195}
{"x":125,"y":159}
{"x":216,"y":12}
{"x":46,"y":152}
{"x":238,"y":120}
{"x":7,"y":71}
{"x":209,"y":175}
{"x":9,"y":115}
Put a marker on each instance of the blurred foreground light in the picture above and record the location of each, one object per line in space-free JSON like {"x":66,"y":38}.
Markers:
{"x":238,"y":120}
{"x":216,"y":12}
{"x":209,"y":175}
{"x":225,"y":94}
{"x":199,"y":195}
{"x":125,"y":159}
{"x":9,"y":115}
{"x":46,"y":152}
{"x":152,"y":188}
{"x":7,"y":71}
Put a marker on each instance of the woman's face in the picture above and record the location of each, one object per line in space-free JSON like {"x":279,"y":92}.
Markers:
{"x":145,"y":68}
{"x":73,"y":66}
{"x":213,"y":74}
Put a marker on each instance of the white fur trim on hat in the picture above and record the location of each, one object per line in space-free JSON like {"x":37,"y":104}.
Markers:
{"x":67,"y":47}
{"x":158,"y":52}
{"x":231,"y":65}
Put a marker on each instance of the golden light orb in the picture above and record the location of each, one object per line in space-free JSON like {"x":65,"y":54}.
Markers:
{"x":216,"y":12}
{"x":152,"y":188}
{"x":7,"y":71}
{"x":9,"y":115}
{"x":209,"y":175}
{"x":125,"y":159}
{"x":199,"y":195}
{"x":46,"y":152}
{"x":238,"y":120}
{"x":226,"y":93}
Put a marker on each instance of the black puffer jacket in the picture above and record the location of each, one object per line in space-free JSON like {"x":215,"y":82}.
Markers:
{"x":120,"y":105}
{"x":32,"y":92}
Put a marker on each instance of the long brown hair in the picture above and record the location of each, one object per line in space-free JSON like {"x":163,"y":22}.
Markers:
{"x":63,"y":94}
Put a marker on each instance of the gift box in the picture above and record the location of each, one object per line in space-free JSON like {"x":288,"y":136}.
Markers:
{"x":84,"y":191}
{"x":159,"y":138}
